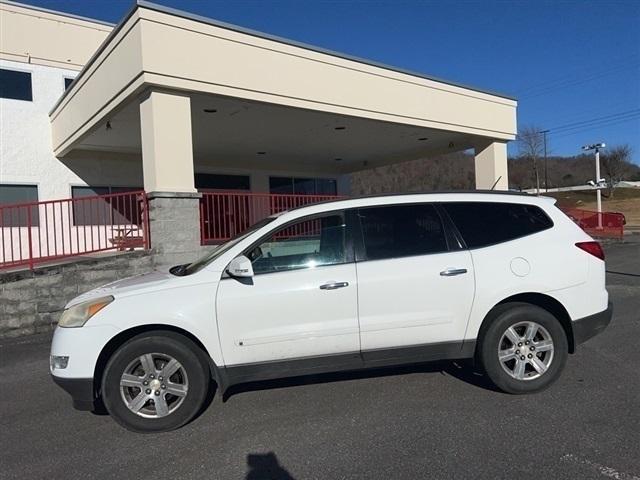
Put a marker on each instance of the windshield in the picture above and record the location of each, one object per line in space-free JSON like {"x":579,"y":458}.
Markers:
{"x":210,"y":257}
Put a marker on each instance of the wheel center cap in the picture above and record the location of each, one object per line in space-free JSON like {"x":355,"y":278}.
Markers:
{"x":155,"y":384}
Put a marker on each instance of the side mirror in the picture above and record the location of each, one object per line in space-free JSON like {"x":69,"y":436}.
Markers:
{"x":240,"y":267}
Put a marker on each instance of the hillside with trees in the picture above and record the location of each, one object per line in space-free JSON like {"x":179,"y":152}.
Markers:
{"x":456,"y":171}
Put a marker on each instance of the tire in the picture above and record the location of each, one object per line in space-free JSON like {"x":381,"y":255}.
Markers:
{"x":513,"y":360}
{"x":139,"y":397}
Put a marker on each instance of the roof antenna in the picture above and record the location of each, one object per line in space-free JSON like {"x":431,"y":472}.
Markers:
{"x":496,"y":183}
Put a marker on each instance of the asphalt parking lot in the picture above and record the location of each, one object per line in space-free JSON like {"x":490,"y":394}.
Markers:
{"x":433,"y":421}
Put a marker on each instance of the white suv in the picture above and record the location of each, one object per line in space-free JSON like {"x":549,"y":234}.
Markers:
{"x":505,"y":278}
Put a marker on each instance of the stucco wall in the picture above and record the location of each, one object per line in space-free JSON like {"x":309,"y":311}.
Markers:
{"x":35,"y":35}
{"x":25,"y":136}
{"x":26,"y":155}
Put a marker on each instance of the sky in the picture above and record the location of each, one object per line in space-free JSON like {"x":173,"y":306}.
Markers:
{"x":574,"y":66}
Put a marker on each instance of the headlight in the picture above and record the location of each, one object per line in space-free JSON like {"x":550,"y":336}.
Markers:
{"x":78,"y":315}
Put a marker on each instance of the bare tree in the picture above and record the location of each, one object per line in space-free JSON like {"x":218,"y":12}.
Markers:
{"x":616,"y":164}
{"x":531,"y":146}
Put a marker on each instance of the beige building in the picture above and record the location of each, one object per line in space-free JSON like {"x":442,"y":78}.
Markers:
{"x":177,"y":104}
{"x":41,"y":52}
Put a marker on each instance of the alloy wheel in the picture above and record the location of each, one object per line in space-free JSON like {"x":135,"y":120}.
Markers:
{"x":154,"y":385}
{"x":525,"y":350}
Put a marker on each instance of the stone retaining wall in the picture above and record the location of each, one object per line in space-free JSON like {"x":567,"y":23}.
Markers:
{"x":31,"y":300}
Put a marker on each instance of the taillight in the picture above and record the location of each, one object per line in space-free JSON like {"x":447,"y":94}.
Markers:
{"x":593,"y":248}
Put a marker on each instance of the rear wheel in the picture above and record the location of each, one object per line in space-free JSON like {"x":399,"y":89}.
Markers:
{"x":155,"y":382}
{"x":524,"y":349}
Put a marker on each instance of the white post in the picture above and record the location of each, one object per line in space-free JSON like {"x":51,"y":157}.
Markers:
{"x":491,"y":165}
{"x":598,"y":191}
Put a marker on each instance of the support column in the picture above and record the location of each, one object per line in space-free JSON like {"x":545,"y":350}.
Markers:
{"x":167,"y":147}
{"x":491,"y":166}
{"x":167,"y":160}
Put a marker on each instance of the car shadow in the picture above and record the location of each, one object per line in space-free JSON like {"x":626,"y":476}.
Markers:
{"x":470,"y":373}
{"x":463,"y":370}
{"x":266,"y":467}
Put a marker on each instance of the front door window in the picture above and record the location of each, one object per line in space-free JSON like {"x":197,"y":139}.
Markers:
{"x":310,"y":243}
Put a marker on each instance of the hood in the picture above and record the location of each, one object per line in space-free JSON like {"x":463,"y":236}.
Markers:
{"x":126,"y":286}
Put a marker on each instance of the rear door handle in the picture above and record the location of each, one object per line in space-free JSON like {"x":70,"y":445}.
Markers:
{"x":334,"y":285}
{"x":450,"y":272}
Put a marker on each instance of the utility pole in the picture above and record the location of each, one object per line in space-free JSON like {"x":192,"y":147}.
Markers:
{"x":599,"y":181}
{"x":546,"y":178}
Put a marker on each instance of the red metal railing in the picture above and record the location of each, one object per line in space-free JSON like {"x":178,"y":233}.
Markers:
{"x":605,"y":224}
{"x":225,"y":214}
{"x":32,"y":233}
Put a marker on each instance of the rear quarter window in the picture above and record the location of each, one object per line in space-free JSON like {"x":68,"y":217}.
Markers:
{"x":487,"y":223}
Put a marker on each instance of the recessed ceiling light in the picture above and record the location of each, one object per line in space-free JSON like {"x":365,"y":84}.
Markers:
{"x":340,"y":128}
{"x":261,"y":153}
{"x":210,"y":110}
{"x":422,"y":139}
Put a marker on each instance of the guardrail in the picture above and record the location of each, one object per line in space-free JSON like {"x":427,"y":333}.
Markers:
{"x":605,"y":224}
{"x":33,"y":233}
{"x":225,"y":214}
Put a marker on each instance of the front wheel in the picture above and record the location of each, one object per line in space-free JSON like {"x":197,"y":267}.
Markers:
{"x":524,"y":349}
{"x":155,"y":382}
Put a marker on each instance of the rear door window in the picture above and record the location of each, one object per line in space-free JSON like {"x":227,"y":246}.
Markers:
{"x":487,"y":223}
{"x":393,"y":231}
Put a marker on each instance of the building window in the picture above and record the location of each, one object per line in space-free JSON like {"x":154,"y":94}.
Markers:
{"x":15,"y":85}
{"x":104,"y":211}
{"x":326,"y":186}
{"x":79,"y":192}
{"x":18,"y":216}
{"x":303,"y":186}
{"x":67,"y":82}
{"x":281,"y":185}
{"x":209,"y":181}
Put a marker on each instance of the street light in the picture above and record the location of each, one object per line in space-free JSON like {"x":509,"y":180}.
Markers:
{"x":599,"y":181}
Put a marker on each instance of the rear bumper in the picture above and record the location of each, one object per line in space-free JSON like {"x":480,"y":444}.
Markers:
{"x":587,"y":327}
{"x":80,"y":389}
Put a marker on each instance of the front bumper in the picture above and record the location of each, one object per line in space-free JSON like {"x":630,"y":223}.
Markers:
{"x":587,"y":327}
{"x":81,"y":346}
{"x":80,"y":389}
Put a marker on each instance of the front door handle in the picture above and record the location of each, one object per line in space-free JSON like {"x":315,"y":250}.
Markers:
{"x":334,"y":285}
{"x":450,"y":272}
